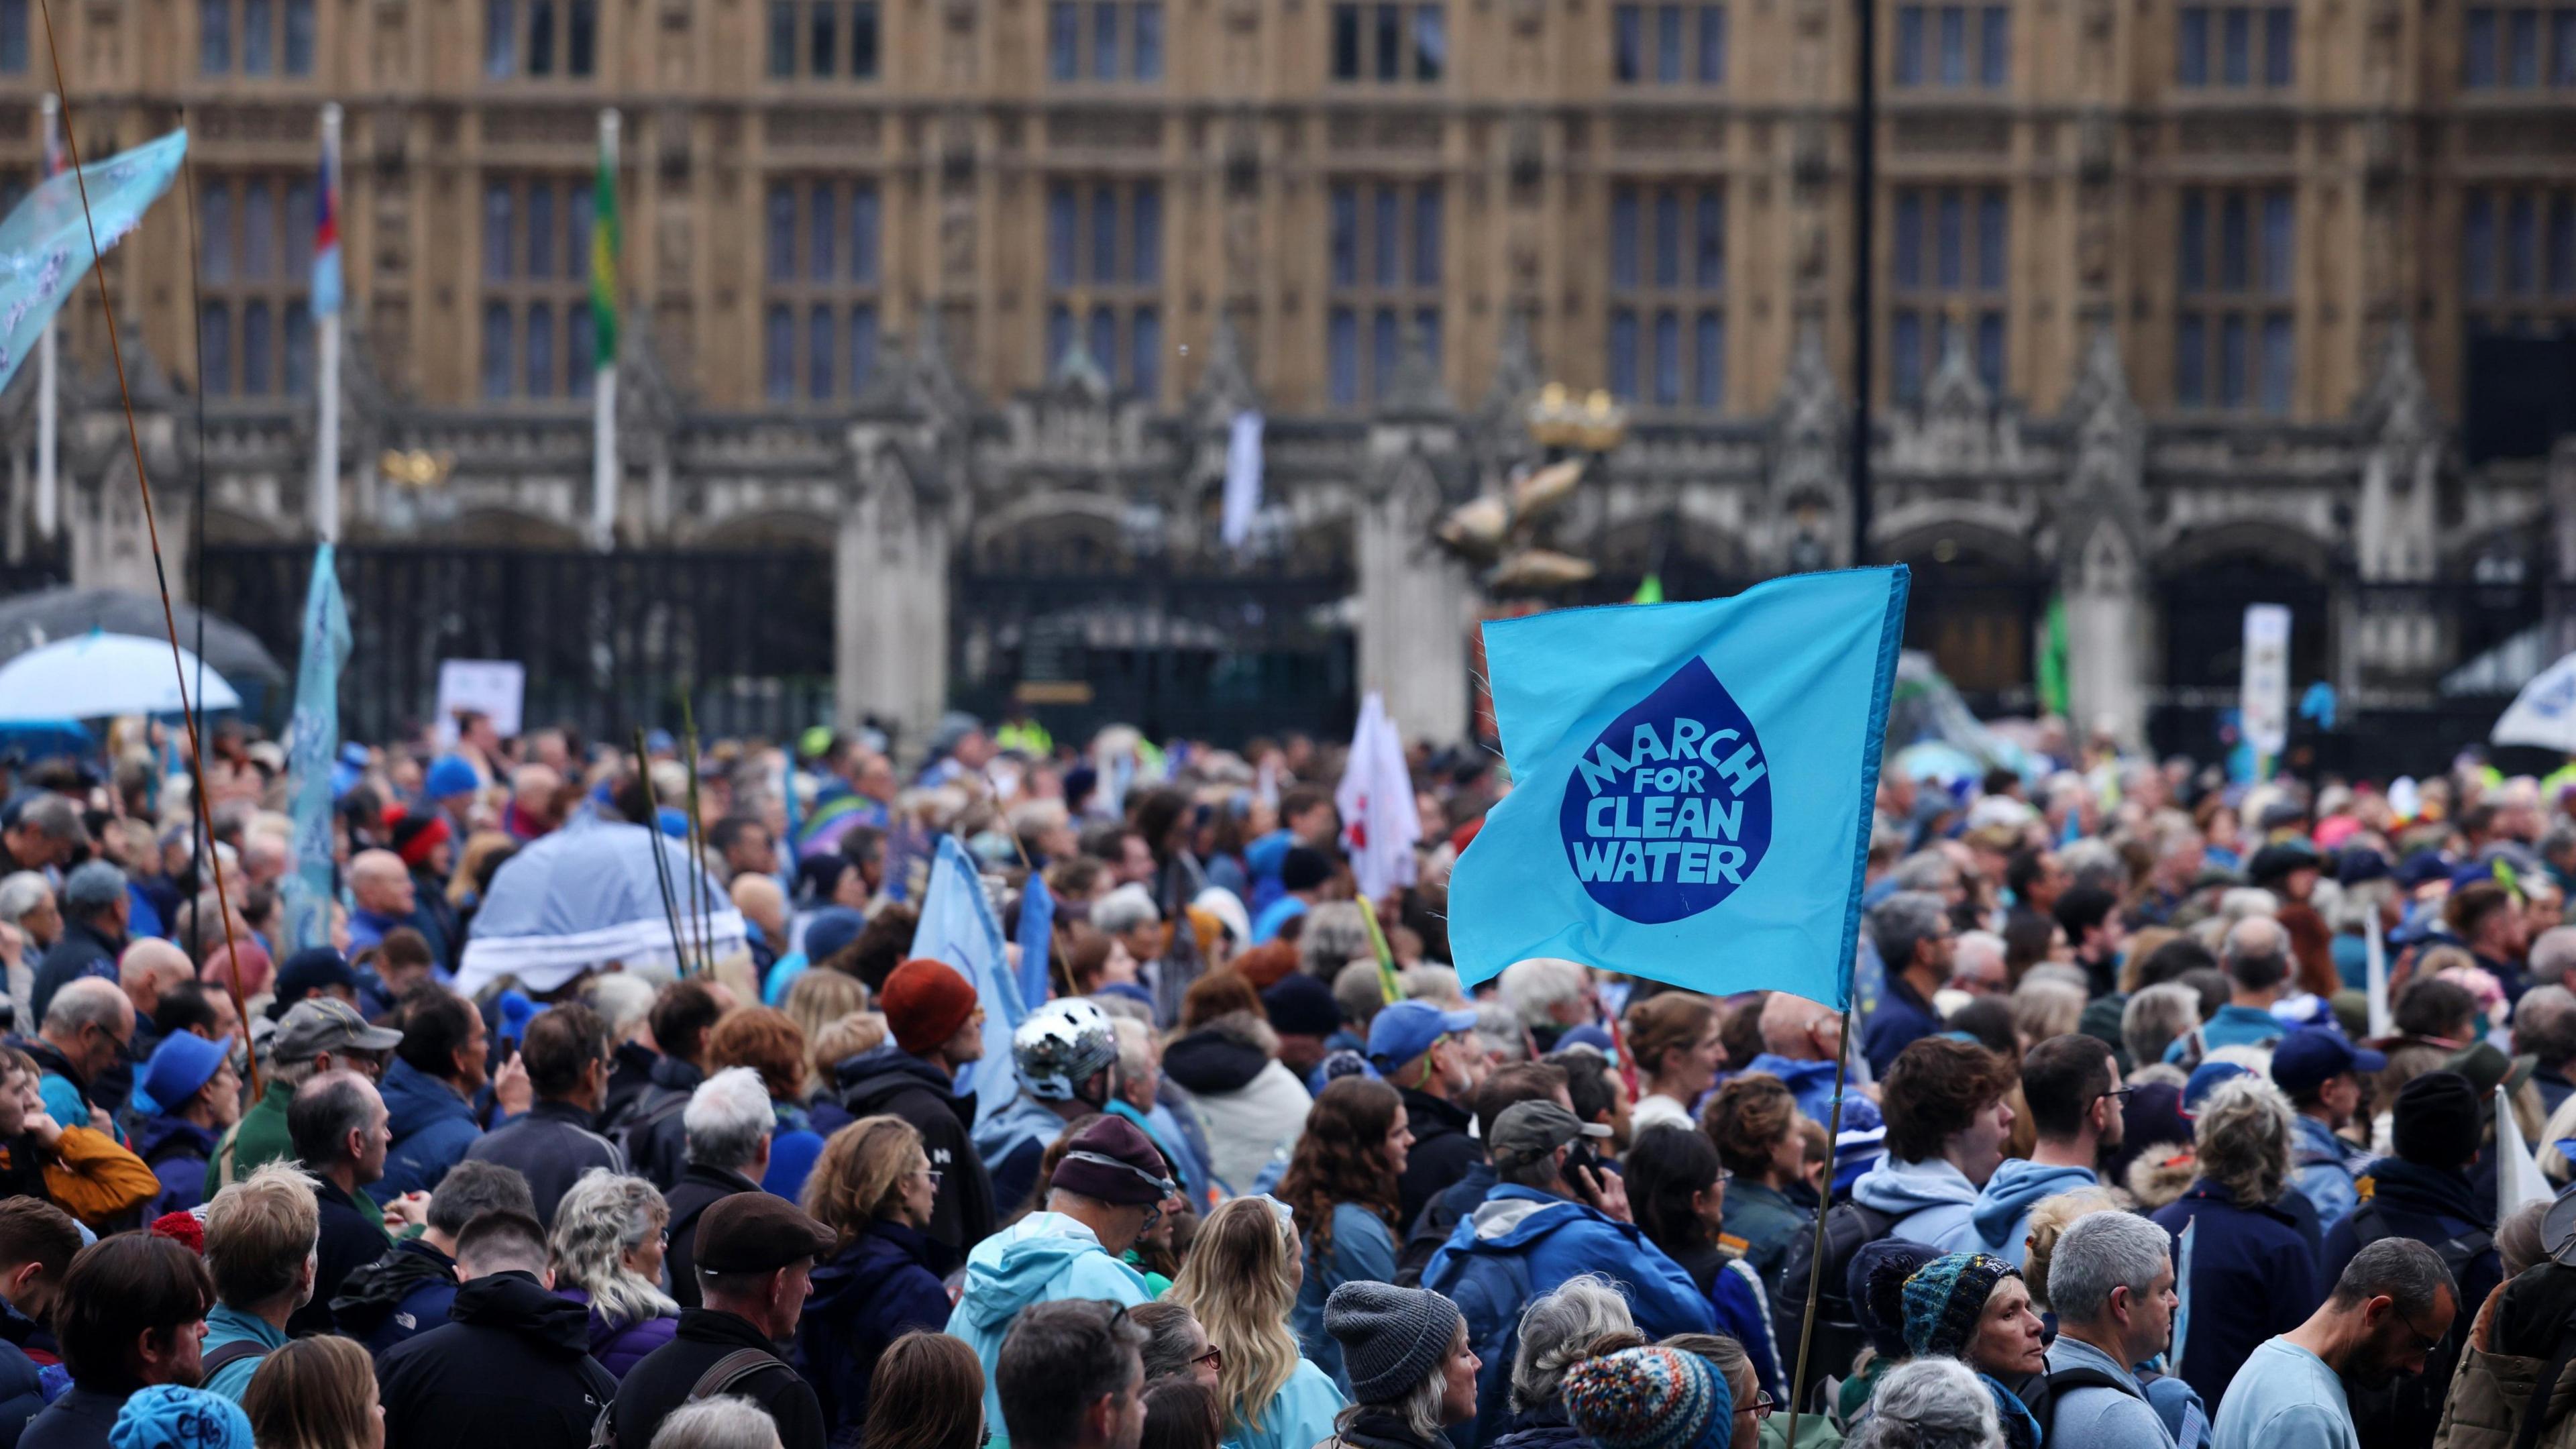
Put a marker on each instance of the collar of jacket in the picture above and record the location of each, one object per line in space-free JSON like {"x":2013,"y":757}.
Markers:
{"x":2413,"y":1187}
{"x":557,"y":1110}
{"x":714,"y":1325}
{"x":723,"y":1177}
{"x":2202,"y":1189}
{"x":1420,"y":1107}
{"x":1377,"y":1429}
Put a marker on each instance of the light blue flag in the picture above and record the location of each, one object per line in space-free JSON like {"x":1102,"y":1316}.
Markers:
{"x":45,"y":243}
{"x":1692,"y":787}
{"x":1037,"y":935}
{"x":958,"y":927}
{"x":312,"y":743}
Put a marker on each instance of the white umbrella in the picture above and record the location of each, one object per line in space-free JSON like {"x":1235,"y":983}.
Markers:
{"x":588,"y":895}
{"x":97,"y":675}
{"x":2544,"y":714}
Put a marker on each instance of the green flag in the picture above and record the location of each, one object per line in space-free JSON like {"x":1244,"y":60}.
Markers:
{"x":2053,"y":695}
{"x":603,"y":264}
{"x":1650,"y":590}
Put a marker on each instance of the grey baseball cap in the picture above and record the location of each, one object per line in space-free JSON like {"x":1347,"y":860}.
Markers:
{"x":328,"y":1024}
{"x":1530,"y":1130}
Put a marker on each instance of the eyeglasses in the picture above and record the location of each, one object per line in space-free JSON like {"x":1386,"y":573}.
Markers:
{"x":932,"y":1173}
{"x":1761,"y":1406}
{"x":2431,"y":1341}
{"x":2117,"y":1094}
{"x":1214,"y":1358}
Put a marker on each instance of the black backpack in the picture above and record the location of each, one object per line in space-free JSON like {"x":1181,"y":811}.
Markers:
{"x":1839,"y":1338}
{"x":2039,"y":1394}
{"x":2406,"y":1413}
{"x":722,"y":1376}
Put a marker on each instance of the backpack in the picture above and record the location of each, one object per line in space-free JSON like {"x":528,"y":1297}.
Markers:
{"x":722,"y":1376}
{"x":2409,"y":1410}
{"x":2039,"y":1394}
{"x":1839,"y":1338}
{"x":230,"y":1354}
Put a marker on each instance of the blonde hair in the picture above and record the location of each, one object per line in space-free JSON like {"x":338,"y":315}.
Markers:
{"x":860,"y":1170}
{"x":838,"y":1041}
{"x":603,"y":1218}
{"x":259,"y":1231}
{"x":469,"y":862}
{"x":313,"y":1393}
{"x":2044,"y":1007}
{"x":815,"y":1000}
{"x":1241,"y":1281}
{"x":2051,"y":1217}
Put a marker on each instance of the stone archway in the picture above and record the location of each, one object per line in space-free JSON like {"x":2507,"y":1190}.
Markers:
{"x":1980,"y":596}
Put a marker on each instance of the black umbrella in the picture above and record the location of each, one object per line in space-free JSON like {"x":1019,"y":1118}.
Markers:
{"x":32,"y":621}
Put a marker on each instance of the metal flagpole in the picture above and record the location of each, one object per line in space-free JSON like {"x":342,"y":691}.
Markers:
{"x":1864,"y":248}
{"x":603,"y":392}
{"x":326,"y":463}
{"x":48,"y":372}
{"x":1824,"y":1204}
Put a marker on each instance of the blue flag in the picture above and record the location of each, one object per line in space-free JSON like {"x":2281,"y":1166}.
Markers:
{"x":312,"y":743}
{"x":1037,"y":935}
{"x":1692,"y":787}
{"x":46,"y":241}
{"x":958,"y":927}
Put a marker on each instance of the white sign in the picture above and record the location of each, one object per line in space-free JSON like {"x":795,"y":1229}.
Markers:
{"x":2266,"y":703}
{"x":496,"y":687}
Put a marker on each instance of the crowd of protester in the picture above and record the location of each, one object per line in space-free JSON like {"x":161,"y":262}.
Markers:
{"x":2116,"y":1147}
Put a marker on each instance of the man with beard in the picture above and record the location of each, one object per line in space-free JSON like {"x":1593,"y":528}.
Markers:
{"x":2071,"y":1085}
{"x":2391,"y":1308}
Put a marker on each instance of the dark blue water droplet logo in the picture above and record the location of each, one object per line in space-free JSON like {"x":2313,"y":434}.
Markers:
{"x":1669,"y":811}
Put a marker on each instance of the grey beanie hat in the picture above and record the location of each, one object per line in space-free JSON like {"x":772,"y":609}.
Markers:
{"x":94,"y":885}
{"x":1392,"y":1338}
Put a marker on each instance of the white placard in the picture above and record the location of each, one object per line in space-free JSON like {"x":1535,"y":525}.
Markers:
{"x":2266,"y":702}
{"x":497,"y":687}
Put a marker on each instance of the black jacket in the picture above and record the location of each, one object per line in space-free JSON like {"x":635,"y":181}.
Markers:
{"x":663,"y":1380}
{"x":699,"y":1188}
{"x":21,"y":1393}
{"x":866,"y":1296}
{"x":512,"y":1367}
{"x":365,"y":1306}
{"x":1443,"y":1150}
{"x":551,"y":1146}
{"x":79,"y":1419}
{"x":893,"y":1081}
{"x":82,"y":950}
{"x":653,"y":1134}
{"x":630,"y":1071}
{"x":353,"y":1235}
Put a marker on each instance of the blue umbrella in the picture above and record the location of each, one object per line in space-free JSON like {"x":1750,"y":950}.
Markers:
{"x":587,"y":897}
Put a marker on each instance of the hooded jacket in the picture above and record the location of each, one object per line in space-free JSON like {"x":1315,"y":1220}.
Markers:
{"x":353,"y":1235}
{"x":432,"y":1127}
{"x":512,"y":1367}
{"x":1933,"y":1202}
{"x":877,"y":1288}
{"x":176,"y":1150}
{"x":1524,"y":1242}
{"x":406,"y":1292}
{"x":1041,"y":1258}
{"x":1250,"y":1106}
{"x":655,"y":1135}
{"x":2511,"y":1344}
{"x":700,"y":1187}
{"x":1011,"y":1142}
{"x":1812,"y":1084}
{"x":893,"y":1081}
{"x":1768,"y":1221}
{"x":2001,"y":1218}
{"x":22,"y":1390}
{"x":2322,"y":1168}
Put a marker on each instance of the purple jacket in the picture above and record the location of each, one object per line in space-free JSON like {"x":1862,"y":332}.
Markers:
{"x":620,"y":1347}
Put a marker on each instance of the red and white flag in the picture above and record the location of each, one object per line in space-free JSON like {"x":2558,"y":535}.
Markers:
{"x":1379,"y":824}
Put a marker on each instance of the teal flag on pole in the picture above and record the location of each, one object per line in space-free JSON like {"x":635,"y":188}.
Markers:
{"x":312,"y":741}
{"x":46,"y":241}
{"x":1692,"y":787}
{"x":958,"y":926}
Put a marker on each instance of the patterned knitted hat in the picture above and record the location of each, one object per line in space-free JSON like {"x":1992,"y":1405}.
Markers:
{"x":1945,"y":1298}
{"x":1649,"y":1398}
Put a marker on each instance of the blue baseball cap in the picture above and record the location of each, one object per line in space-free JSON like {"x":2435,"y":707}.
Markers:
{"x":450,"y":775}
{"x":1407,"y":1029}
{"x":2205,"y":1079}
{"x":181,"y":1066}
{"x":2309,"y":1058}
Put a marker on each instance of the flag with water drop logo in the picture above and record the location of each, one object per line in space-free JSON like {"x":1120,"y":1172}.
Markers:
{"x":1692,"y":787}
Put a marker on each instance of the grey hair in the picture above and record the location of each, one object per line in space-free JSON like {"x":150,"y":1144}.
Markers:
{"x":1924,"y":870}
{"x":1334,"y":933}
{"x":2098,"y":1253}
{"x":25,"y":890}
{"x":2553,"y":952}
{"x":1498,"y":1031}
{"x":728,"y":1117}
{"x":1535,"y":987}
{"x":622,"y":1001}
{"x":1123,"y":910}
{"x":474,"y":1188}
{"x":727,"y":1421}
{"x":1901,"y":922}
{"x":2043,"y":1008}
{"x":601,"y":1219}
{"x":1136,"y":1055}
{"x":2155,"y":1016}
{"x":90,"y":1001}
{"x":2410,"y":1274}
{"x":1558,"y":1330}
{"x":1929,"y":1403}
{"x":55,"y":815}
{"x":2239,"y":903}
{"x":2256,"y":953}
{"x":2544,"y":1024}
{"x":2093,"y":861}
{"x":93,"y":886}
{"x":2243,"y":1139}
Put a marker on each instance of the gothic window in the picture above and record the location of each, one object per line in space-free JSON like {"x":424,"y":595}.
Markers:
{"x":1952,"y":248}
{"x":1668,"y":295}
{"x":538,"y":39}
{"x":1668,"y":44}
{"x":1953,"y":47}
{"x":823,"y":39}
{"x":2234,"y":333}
{"x":2518,"y":257}
{"x":2235,"y":46}
{"x":255,"y":269}
{"x":245,"y":37}
{"x":1389,"y":43}
{"x":2518,"y":47}
{"x":536,"y":288}
{"x":1105,"y":279}
{"x":1105,"y":40}
{"x":1385,"y":255}
{"x":820,"y":316}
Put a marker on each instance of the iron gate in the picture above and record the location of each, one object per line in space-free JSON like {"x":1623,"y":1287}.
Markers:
{"x":611,"y":641}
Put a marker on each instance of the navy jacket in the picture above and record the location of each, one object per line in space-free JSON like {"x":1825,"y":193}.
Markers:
{"x":432,"y":1127}
{"x":176,"y":1150}
{"x":1901,"y":1020}
{"x":867,"y":1295}
{"x":893,"y":1081}
{"x":552,"y":1146}
{"x":406,"y":1292}
{"x":22,"y":1393}
{"x":82,"y":950}
{"x":2253,"y":1260}
{"x":353,"y":1235}
{"x":79,"y":1419}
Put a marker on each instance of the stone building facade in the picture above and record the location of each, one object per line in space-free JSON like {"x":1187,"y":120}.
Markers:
{"x":2175,"y":304}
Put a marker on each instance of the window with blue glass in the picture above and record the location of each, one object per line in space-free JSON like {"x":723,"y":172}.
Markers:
{"x":1667,"y":336}
{"x":1668,"y":44}
{"x":822,"y":40}
{"x":254,"y":268}
{"x":2517,"y":48}
{"x":536,"y":285}
{"x":2235,"y":252}
{"x":1104,"y":40}
{"x":234,"y":37}
{"x":1950,"y":251}
{"x":1104,"y":242}
{"x":1388,"y":42}
{"x":2235,"y":46}
{"x":13,"y":37}
{"x":537,"y":39}
{"x":821,"y":253}
{"x":1385,"y":258}
{"x":2518,"y":257}
{"x":1953,"y":47}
